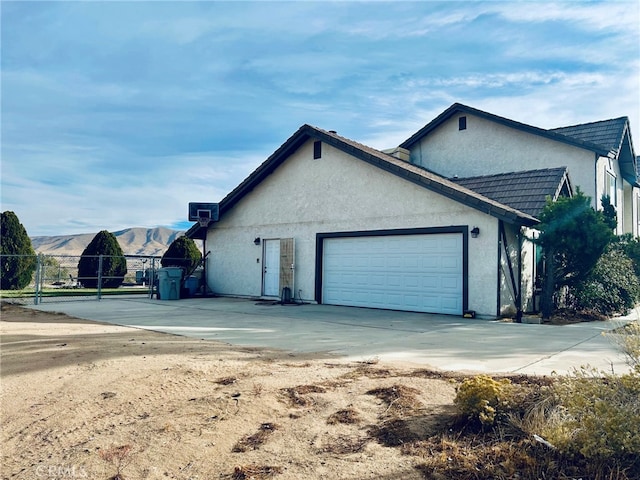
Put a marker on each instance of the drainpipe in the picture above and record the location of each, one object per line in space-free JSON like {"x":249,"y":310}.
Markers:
{"x":499,"y":276}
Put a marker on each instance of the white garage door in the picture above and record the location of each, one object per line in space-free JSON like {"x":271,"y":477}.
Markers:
{"x":421,"y":273}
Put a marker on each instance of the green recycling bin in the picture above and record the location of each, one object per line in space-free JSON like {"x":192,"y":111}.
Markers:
{"x":169,"y":279}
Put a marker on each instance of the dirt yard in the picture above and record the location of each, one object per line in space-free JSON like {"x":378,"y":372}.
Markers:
{"x":87,"y":400}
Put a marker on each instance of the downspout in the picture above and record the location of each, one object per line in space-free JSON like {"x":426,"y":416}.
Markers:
{"x":499,"y":276}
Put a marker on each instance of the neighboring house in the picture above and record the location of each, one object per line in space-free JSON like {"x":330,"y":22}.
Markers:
{"x":328,"y":220}
{"x":341,"y":223}
{"x":463,"y":141}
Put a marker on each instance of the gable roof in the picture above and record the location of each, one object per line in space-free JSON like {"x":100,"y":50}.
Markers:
{"x":525,"y":191}
{"x":614,"y":135}
{"x":458,"y":108}
{"x":408,"y":171}
{"x":607,"y":133}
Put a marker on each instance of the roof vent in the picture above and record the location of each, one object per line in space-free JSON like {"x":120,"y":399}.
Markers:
{"x":333,"y":131}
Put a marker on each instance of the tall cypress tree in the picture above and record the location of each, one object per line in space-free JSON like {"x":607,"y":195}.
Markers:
{"x":18,"y":256}
{"x":183,"y":253}
{"x":114,"y":264}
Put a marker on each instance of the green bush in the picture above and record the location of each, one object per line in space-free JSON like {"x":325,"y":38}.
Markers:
{"x":482,"y":399}
{"x":114,"y":264}
{"x":182,"y":253}
{"x":19,"y":258}
{"x":612,"y":287}
{"x":631,"y":246}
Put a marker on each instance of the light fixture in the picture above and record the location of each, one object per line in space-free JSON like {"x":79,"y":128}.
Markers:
{"x":256,"y":241}
{"x":475,"y":232}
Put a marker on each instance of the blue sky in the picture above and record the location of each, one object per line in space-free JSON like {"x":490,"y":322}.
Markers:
{"x":118,"y":114}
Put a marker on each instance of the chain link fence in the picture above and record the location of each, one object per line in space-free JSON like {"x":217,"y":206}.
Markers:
{"x":56,"y":279}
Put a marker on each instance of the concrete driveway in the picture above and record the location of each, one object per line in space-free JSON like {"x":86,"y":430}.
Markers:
{"x":440,"y":341}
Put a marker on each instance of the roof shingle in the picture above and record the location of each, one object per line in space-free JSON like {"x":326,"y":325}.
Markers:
{"x":525,"y":191}
{"x":606,"y":133}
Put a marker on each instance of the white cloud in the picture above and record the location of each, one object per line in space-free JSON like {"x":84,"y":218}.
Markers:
{"x":117,"y":114}
{"x":616,"y":15}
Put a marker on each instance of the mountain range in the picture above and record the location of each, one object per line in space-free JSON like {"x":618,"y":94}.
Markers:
{"x":133,"y":241}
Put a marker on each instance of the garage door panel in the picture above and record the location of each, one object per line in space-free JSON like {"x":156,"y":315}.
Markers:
{"x":449,"y":283}
{"x":404,"y":272}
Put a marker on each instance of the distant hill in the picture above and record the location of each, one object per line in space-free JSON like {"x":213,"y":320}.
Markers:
{"x":133,"y":241}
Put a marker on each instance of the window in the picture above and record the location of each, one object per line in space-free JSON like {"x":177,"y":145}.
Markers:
{"x":637,"y":216}
{"x":610,"y":187}
{"x":462,"y":123}
{"x":317,"y":149}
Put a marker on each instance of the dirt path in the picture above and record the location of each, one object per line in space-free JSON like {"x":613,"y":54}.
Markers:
{"x":78,"y":397}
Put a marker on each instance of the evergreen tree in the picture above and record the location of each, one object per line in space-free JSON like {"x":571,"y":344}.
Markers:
{"x":609,"y":212}
{"x":114,"y":265}
{"x":183,"y":252}
{"x":18,"y":256}
{"x":573,"y":236}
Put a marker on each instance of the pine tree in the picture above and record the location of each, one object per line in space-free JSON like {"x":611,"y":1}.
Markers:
{"x":114,"y":264}
{"x":18,"y":256}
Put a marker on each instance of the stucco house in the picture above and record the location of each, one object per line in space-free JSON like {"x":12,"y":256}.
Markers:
{"x":463,"y":142}
{"x":438,"y":224}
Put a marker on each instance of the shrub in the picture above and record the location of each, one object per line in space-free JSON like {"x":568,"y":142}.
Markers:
{"x":183,"y":253}
{"x":631,"y":246}
{"x":601,"y":416}
{"x":612,"y":287}
{"x":114,"y":265}
{"x":20,"y":261}
{"x":482,"y":398}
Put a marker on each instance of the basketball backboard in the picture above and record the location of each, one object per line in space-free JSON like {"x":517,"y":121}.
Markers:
{"x":200,"y":210}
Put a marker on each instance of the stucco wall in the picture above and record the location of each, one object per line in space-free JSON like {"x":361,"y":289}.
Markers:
{"x":337,"y":193}
{"x":486,"y":148}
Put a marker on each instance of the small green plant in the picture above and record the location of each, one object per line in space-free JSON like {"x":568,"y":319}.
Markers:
{"x":483,"y":398}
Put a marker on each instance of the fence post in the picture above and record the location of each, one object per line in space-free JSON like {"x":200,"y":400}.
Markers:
{"x":38,"y":279}
{"x":152,"y":277}
{"x":100,"y":277}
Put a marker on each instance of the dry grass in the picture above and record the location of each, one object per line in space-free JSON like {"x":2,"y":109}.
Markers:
{"x":627,"y":339}
{"x":393,"y":433}
{"x":345,"y":416}
{"x":400,"y":400}
{"x":253,"y":442}
{"x":226,"y":381}
{"x":345,"y":444}
{"x":295,"y":395}
{"x":254,"y":472}
{"x":119,"y":457}
{"x":480,"y":458}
